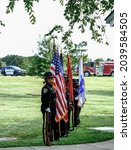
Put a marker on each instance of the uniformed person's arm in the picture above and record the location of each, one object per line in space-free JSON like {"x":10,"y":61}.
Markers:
{"x":45,"y":99}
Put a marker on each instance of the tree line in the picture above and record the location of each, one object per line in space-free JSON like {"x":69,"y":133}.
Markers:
{"x":40,"y":62}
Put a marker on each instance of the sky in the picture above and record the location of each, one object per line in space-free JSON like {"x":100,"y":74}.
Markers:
{"x":20,"y":37}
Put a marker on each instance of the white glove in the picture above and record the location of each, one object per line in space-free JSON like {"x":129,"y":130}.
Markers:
{"x":47,"y":109}
{"x":77,"y":98}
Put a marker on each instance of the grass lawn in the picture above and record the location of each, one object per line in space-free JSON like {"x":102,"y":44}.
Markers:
{"x":20,"y":115}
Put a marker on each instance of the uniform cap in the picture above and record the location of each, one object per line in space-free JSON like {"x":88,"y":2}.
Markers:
{"x":48,"y":75}
{"x":75,"y":81}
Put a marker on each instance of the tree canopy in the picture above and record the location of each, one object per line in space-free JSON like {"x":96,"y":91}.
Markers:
{"x":82,"y":13}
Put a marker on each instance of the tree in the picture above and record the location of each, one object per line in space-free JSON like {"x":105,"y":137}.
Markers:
{"x":79,"y":13}
{"x":2,"y":63}
{"x":42,"y":60}
{"x":83,"y":13}
{"x":98,"y":60}
{"x":16,"y":60}
{"x":87,"y":14}
{"x":76,"y":51}
{"x":109,"y":59}
{"x":12,"y":60}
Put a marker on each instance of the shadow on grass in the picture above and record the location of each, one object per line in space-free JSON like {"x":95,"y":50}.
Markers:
{"x":100,"y":92}
{"x":19,"y":95}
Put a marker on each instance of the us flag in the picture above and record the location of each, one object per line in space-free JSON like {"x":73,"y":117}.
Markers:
{"x":61,"y":103}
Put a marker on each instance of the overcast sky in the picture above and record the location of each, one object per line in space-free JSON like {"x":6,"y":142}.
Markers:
{"x":20,"y":37}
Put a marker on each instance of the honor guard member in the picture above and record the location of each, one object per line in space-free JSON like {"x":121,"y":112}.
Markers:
{"x":48,"y":108}
{"x":76,"y":102}
{"x":70,"y":105}
{"x":64,"y":127}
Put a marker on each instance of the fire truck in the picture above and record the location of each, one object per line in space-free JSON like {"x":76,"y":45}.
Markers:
{"x":89,"y":69}
{"x":104,"y":68}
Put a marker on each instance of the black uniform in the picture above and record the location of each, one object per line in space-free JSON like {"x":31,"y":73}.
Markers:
{"x":48,"y":97}
{"x":76,"y":98}
{"x":64,"y":126}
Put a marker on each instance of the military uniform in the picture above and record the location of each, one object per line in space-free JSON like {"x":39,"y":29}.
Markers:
{"x":64,"y":127}
{"x":48,"y":109}
{"x":76,"y":99}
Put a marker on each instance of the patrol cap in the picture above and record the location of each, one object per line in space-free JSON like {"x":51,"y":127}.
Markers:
{"x":47,"y":75}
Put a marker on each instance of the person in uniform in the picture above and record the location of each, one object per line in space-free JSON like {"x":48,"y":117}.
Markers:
{"x":48,"y":108}
{"x":77,"y":108}
{"x":70,"y":106}
{"x":65,"y":126}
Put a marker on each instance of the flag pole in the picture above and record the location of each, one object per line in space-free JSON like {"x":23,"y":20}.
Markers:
{"x":54,"y":44}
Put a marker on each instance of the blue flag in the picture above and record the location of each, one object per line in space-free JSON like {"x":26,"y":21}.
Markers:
{"x":81,"y":84}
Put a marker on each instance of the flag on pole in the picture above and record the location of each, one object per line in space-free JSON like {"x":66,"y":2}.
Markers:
{"x":81,"y":84}
{"x":69,"y":74}
{"x":61,"y":103}
{"x":61,"y":59}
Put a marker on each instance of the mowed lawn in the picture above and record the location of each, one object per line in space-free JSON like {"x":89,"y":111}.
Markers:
{"x":20,"y":115}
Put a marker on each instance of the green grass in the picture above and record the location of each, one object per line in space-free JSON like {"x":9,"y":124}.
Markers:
{"x":20,"y":115}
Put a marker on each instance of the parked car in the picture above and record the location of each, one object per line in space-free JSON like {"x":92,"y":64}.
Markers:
{"x":12,"y":71}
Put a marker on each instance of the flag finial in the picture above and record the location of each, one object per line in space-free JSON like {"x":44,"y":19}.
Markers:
{"x":61,"y":50}
{"x":54,"y":44}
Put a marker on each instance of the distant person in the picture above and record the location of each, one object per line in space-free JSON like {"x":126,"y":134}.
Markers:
{"x":48,"y":109}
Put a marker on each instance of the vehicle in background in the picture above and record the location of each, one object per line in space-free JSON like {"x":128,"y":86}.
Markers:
{"x":0,"y":72}
{"x":88,"y":69}
{"x":104,"y":68}
{"x":12,"y":71}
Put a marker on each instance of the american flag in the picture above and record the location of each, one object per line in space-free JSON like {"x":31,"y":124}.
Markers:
{"x":61,"y":103}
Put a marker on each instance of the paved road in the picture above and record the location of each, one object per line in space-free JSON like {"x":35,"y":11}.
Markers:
{"x":108,"y":145}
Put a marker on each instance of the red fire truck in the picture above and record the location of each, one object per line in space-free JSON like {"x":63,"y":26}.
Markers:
{"x":89,"y":69}
{"x":104,"y":68}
